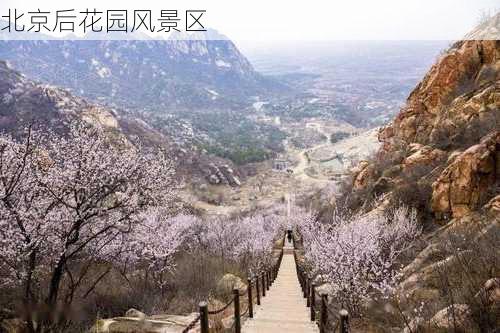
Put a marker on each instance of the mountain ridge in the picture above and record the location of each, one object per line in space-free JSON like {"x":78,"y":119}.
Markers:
{"x":167,"y":75}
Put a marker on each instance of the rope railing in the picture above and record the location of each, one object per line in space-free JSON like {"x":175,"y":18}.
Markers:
{"x":261,"y":282}
{"x":320,"y":313}
{"x":191,"y":324}
{"x":214,"y":312}
{"x":246,"y":312}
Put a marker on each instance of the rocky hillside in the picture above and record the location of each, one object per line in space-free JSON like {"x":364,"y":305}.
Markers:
{"x":441,"y":155}
{"x":198,"y":91}
{"x":452,"y":122}
{"x":24,"y":102}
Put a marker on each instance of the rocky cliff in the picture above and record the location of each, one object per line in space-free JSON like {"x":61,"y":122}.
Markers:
{"x":441,"y":155}
{"x":460,"y":90}
{"x":24,"y":101}
{"x":451,"y":125}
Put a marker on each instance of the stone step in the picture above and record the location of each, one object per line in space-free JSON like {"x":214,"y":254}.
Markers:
{"x":283,"y":309}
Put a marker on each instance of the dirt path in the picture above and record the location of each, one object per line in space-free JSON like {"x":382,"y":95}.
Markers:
{"x":299,"y":170}
{"x":280,"y":184}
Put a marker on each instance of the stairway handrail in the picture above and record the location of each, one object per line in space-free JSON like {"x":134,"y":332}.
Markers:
{"x":268,"y":276}
{"x":308,"y":286}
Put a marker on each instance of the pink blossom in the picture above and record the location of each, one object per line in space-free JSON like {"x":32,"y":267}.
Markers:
{"x":64,"y":197}
{"x":358,"y":254}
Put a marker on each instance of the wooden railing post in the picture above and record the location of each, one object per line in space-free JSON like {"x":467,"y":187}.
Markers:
{"x":263,"y":285}
{"x":304,"y":289}
{"x":324,"y":313}
{"x":296,"y":263}
{"x":267,"y":280}
{"x":281,"y":258}
{"x":302,"y":282}
{"x":308,"y":289}
{"x":298,"y":274}
{"x":203,"y":317}
{"x":250,"y":299}
{"x":257,"y":289}
{"x":313,"y":302}
{"x":344,"y":321}
{"x":237,"y":318}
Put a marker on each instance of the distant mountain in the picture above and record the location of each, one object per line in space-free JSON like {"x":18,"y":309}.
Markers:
{"x":159,"y":75}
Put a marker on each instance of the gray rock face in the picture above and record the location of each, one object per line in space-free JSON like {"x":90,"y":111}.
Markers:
{"x":221,"y":175}
{"x":134,"y":313}
{"x":213,"y":179}
{"x":153,"y":324}
{"x":229,"y":175}
{"x":23,"y":100}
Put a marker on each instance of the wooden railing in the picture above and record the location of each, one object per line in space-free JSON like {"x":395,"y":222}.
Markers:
{"x":320,"y":313}
{"x":259,"y":284}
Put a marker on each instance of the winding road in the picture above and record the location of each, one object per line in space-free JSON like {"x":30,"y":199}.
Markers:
{"x":299,"y":170}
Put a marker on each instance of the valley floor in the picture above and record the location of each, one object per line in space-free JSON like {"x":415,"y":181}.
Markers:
{"x":319,"y":166}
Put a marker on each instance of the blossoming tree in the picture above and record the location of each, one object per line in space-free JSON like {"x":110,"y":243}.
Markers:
{"x":358,"y":254}
{"x":258,"y":233}
{"x":65,"y":199}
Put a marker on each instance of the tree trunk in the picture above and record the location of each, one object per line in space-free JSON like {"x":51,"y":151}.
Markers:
{"x":55,"y":281}
{"x":29,"y":300}
{"x":28,"y":294}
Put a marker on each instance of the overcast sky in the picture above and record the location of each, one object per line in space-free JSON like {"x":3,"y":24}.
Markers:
{"x":286,"y":20}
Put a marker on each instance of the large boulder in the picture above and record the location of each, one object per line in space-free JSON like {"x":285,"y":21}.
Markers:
{"x":490,"y":293}
{"x":221,"y":175}
{"x":464,"y":184}
{"x":493,"y":205}
{"x":229,"y":282}
{"x":361,"y":175}
{"x":424,"y":156}
{"x":100,"y":116}
{"x":453,"y":317}
{"x":13,"y":325}
{"x":134,"y":313}
{"x":153,"y":324}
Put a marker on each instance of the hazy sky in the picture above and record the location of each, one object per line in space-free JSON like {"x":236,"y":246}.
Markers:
{"x":268,"y":20}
